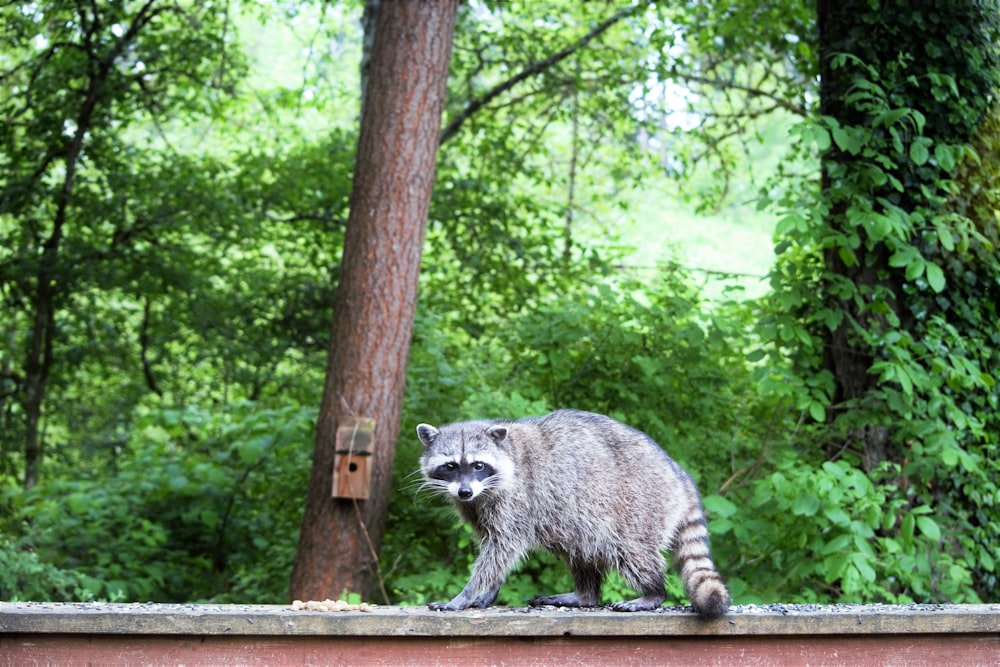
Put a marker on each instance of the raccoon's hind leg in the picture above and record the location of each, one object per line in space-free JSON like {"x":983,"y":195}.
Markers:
{"x":644,"y":572}
{"x":587,"y":580}
{"x":648,"y":602}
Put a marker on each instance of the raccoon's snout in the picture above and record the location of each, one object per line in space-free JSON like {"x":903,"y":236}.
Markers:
{"x":463,"y":480}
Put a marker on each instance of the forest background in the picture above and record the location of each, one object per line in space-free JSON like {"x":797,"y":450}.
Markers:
{"x":763,"y":233}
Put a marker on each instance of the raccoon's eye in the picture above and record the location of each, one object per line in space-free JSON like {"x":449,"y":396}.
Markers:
{"x":451,"y":466}
{"x":478,"y":466}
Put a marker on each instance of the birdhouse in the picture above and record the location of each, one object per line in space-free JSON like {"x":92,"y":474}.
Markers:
{"x":352,"y":473}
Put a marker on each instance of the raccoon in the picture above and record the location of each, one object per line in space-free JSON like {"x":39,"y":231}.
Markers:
{"x":595,"y":492}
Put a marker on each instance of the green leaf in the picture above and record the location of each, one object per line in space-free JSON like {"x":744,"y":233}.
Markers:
{"x":252,"y":451}
{"x":718,"y":505}
{"x":846,"y":141}
{"x":915,"y":269}
{"x":879,"y":226}
{"x":822,"y":138}
{"x":834,"y":565}
{"x":847,"y":256}
{"x":77,"y":503}
{"x":919,"y":153}
{"x":837,"y":544}
{"x":944,"y":155}
{"x":946,"y":238}
{"x":935,"y":277}
{"x":929,"y":527}
{"x":813,"y":133}
{"x":864,"y":568}
{"x":178,"y":482}
{"x":907,"y":527}
{"x":949,"y":457}
{"x":806,"y":504}
{"x":904,"y":256}
{"x":986,"y":560}
{"x":837,"y":516}
{"x":903,"y":377}
{"x":889,"y":117}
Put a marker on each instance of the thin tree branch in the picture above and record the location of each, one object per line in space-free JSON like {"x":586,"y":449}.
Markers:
{"x":147,"y":366}
{"x":533,"y":69}
{"x":723,"y":85}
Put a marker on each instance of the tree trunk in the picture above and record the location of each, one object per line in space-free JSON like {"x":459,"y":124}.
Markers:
{"x":36,"y":373}
{"x":376,"y":294}
{"x":907,"y":49}
{"x":51,"y":282}
{"x":848,"y":364}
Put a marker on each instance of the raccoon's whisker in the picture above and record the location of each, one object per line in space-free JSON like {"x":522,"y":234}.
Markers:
{"x":414,"y":487}
{"x":433,"y":486}
{"x":427,"y":489}
{"x":491,"y":482}
{"x":412,"y":482}
{"x":415,"y":475}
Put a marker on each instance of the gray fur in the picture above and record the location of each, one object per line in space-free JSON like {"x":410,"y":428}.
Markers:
{"x":599,"y":494}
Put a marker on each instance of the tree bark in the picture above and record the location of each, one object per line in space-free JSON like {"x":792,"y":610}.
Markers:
{"x":376,"y":295}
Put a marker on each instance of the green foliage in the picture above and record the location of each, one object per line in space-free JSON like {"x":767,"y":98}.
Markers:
{"x":883,"y":490}
{"x":25,"y":576}
{"x":207,"y":507}
{"x":647,"y":354}
{"x":834,"y":533}
{"x":884,"y":299}
{"x":193,"y":264}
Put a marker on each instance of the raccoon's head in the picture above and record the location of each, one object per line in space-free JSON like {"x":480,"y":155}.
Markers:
{"x":465,"y":460}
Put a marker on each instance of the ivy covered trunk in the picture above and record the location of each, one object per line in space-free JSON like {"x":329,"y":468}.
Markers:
{"x":904,"y":87}
{"x":377,"y":290}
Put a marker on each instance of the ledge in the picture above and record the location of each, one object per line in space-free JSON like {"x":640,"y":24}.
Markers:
{"x":258,"y":634}
{"x":279,"y":620}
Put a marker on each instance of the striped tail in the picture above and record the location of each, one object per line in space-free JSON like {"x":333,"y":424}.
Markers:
{"x":704,"y":586}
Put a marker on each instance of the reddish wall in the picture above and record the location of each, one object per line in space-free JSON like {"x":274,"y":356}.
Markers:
{"x":856,"y":651}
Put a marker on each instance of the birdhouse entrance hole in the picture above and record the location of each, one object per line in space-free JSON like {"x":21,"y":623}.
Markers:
{"x":352,"y":472}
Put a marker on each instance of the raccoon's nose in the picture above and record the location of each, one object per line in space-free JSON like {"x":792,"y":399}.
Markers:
{"x":465,"y":493}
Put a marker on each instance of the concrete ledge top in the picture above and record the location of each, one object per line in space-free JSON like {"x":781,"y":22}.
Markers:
{"x":280,"y":620}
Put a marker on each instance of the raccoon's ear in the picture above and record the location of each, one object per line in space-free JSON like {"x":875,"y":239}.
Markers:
{"x":427,"y":434}
{"x":497,"y":433}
